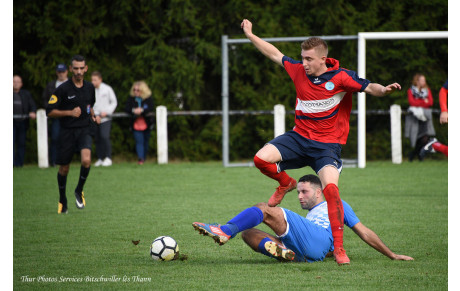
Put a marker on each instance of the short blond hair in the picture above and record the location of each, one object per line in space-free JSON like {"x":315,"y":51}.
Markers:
{"x":317,"y":43}
{"x":145,"y":90}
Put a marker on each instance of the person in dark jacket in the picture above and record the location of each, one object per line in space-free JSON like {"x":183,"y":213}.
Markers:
{"x":140,"y":106}
{"x":24,"y":108}
{"x":61,"y":73}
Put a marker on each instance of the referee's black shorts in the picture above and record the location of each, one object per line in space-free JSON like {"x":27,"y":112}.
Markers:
{"x":72,"y":140}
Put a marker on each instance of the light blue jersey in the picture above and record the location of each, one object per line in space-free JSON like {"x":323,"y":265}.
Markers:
{"x":319,"y":215}
{"x":310,"y":237}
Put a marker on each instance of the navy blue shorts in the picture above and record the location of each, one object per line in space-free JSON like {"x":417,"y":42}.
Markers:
{"x":297,"y":152}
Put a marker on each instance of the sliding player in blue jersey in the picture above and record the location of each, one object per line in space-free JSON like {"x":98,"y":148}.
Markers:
{"x":298,"y":238}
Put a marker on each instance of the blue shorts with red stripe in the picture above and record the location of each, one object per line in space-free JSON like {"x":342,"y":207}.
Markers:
{"x":297,"y":152}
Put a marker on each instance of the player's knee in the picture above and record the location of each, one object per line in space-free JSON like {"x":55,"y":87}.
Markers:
{"x":263,"y":206}
{"x":269,"y":154}
{"x":86,"y":162}
{"x":64,"y":170}
{"x":267,"y":211}
{"x":258,"y":162}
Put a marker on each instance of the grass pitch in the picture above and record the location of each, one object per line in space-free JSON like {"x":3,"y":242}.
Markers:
{"x":406,"y":205}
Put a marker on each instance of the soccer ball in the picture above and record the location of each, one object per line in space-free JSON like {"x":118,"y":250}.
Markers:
{"x":164,"y":248}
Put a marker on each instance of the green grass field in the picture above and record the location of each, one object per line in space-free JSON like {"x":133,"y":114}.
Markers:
{"x":406,"y":205}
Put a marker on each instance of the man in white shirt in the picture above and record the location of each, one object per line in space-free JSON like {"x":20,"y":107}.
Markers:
{"x":106,"y":103}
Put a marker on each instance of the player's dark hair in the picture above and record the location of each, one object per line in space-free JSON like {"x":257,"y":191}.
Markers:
{"x":315,"y":42}
{"x":312,"y":179}
{"x":78,"y":58}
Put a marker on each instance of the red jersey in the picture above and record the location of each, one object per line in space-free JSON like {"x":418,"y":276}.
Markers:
{"x":323,"y":105}
{"x":443,"y":97}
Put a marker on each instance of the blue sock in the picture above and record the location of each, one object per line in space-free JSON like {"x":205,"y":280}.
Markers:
{"x":262,"y":249}
{"x":230,"y":229}
{"x":246,"y":219}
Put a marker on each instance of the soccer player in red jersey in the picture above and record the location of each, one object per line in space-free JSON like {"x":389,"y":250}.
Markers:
{"x":322,"y":113}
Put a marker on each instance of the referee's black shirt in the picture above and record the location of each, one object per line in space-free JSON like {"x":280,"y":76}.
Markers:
{"x":67,"y":96}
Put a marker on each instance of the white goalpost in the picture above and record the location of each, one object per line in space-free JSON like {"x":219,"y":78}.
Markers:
{"x":361,"y":37}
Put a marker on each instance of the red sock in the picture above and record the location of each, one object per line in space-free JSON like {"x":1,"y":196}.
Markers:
{"x":271,"y":170}
{"x":439,"y":147}
{"x":335,"y":211}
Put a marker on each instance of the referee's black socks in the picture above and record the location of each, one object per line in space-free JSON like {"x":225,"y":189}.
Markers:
{"x":84,"y":172}
{"x":62,"y":181}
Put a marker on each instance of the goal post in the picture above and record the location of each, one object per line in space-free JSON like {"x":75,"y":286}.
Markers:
{"x":362,"y":37}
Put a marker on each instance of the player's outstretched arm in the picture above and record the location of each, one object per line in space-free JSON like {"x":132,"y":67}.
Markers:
{"x":266,"y":48}
{"x":379,"y":90}
{"x":372,"y":239}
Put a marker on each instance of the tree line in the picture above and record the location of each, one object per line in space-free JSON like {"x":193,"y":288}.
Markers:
{"x":175,"y":46}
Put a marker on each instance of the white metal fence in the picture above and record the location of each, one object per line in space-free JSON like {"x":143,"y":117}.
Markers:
{"x":279,"y":117}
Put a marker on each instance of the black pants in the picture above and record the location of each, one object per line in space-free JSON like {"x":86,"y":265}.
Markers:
{"x":103,"y":144}
{"x":421,"y":142}
{"x":19,"y":141}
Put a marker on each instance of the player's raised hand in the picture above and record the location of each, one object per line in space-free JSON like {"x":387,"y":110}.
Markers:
{"x":392,"y":87}
{"x":246,"y":25}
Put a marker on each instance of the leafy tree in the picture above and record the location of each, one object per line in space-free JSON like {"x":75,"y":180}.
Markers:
{"x":175,"y":46}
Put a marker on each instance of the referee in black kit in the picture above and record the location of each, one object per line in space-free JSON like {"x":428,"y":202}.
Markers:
{"x":72,"y":103}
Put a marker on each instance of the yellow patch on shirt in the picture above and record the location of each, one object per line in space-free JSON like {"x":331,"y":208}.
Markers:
{"x":53,"y":99}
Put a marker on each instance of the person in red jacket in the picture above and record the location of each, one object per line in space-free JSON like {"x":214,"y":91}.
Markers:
{"x":434,"y":145}
{"x":419,"y":94}
{"x":419,"y":123}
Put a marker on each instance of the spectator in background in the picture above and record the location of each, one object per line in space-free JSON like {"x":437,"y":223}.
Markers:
{"x":434,"y":145}
{"x":23,"y":104}
{"x":61,"y":73}
{"x":106,"y":103}
{"x":139,"y":105}
{"x":419,"y":122}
